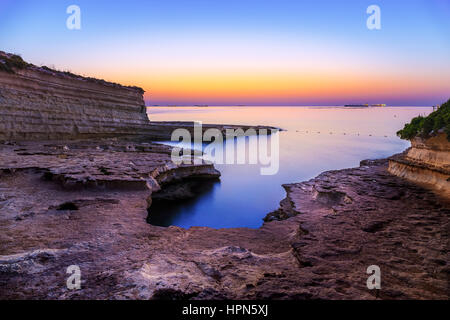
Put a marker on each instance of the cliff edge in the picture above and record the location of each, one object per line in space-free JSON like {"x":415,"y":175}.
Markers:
{"x":40,"y":103}
{"x":427,"y":162}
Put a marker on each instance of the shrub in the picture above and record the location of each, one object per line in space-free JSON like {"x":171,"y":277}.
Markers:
{"x":9,"y":63}
{"x":426,"y":126}
{"x":17,"y":62}
{"x":5,"y":67}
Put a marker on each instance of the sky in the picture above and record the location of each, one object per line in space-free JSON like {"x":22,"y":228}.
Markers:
{"x":244,"y":52}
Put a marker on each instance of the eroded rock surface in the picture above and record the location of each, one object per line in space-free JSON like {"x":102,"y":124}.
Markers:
{"x":351,"y":219}
{"x":85,"y":203}
{"x":40,"y":103}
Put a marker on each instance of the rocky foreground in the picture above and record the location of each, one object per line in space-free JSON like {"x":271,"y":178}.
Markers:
{"x":85,"y":203}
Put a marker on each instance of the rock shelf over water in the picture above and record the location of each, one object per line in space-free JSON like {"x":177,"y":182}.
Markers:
{"x":38,"y":103}
{"x":427,"y":162}
{"x":85,"y":203}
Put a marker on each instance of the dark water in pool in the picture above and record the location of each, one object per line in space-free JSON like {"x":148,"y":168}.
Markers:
{"x":316,"y":139}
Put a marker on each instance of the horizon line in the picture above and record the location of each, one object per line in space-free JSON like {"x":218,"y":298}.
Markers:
{"x":274,"y":105}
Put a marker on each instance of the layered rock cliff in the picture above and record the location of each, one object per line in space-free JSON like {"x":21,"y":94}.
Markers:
{"x":40,"y":103}
{"x":426,"y":162}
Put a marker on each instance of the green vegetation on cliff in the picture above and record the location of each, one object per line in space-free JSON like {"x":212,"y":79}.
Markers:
{"x":10,"y":62}
{"x":426,"y":126}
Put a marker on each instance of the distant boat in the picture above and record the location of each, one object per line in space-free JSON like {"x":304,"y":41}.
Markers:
{"x":357,"y":105}
{"x":378,"y":105}
{"x":201,"y":105}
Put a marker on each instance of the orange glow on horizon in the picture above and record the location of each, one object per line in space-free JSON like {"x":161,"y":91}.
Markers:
{"x":270,"y":86}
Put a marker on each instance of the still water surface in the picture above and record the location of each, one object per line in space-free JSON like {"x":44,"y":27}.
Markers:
{"x":316,"y":139}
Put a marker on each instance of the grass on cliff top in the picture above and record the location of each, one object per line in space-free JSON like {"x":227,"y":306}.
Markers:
{"x":12,"y":62}
{"x":427,"y":126}
{"x":8,"y":64}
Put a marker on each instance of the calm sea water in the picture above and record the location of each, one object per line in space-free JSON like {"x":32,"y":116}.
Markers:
{"x":316,"y":139}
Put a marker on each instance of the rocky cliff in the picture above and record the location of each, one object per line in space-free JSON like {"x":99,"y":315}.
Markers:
{"x":40,"y":103}
{"x":427,"y":162}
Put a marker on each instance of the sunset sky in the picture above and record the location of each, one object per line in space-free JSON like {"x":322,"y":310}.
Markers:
{"x":244,"y":52}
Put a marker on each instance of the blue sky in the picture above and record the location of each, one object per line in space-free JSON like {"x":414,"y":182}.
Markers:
{"x":221,"y":52}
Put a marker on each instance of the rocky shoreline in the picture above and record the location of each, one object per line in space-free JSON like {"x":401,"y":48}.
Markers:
{"x":85,"y":203}
{"x":78,"y":171}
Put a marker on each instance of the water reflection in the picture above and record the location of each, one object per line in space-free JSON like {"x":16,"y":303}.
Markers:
{"x":178,"y":202}
{"x":316,"y":140}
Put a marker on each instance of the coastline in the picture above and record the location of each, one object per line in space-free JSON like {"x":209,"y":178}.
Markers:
{"x":338,"y":224}
{"x":77,"y":174}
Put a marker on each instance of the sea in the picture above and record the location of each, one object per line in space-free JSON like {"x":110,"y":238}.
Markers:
{"x":313,"y":140}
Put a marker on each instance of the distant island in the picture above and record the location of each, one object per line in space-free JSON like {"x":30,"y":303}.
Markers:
{"x":365,"y":105}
